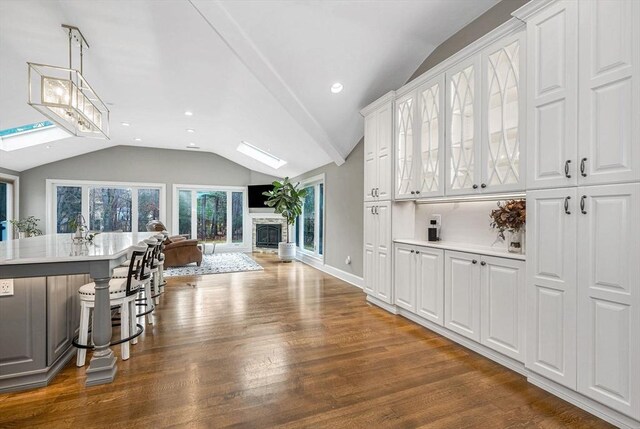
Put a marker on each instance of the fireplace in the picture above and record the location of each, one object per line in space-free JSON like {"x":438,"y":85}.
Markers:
{"x":268,"y":235}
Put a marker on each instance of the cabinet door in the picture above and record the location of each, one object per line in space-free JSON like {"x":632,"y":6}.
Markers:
{"x":609,"y":296}
{"x":503,"y":114}
{"x":551,"y":284}
{"x":552,"y":96}
{"x":384,"y":152}
{"x":463,"y":127}
{"x":382,"y":216}
{"x":370,"y":156}
{"x":370,"y":238}
{"x":462,"y":294}
{"x":503,"y":306}
{"x":431,"y":151}
{"x":405,"y":285}
{"x":405,"y":146}
{"x":609,"y":91}
{"x":430,"y":284}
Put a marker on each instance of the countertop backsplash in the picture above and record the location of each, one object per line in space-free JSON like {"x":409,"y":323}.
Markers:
{"x":464,"y":222}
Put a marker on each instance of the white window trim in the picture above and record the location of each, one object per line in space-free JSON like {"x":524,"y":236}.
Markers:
{"x":51,"y":184}
{"x":300,"y":250}
{"x":246,"y":245}
{"x":13,"y":207}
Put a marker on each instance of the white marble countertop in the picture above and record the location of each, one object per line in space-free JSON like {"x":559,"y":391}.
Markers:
{"x":463,"y":247}
{"x":61,"y":248}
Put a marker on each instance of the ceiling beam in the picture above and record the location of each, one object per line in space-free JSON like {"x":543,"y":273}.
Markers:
{"x":219,"y":19}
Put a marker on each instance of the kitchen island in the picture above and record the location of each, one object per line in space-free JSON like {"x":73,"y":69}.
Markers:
{"x":38,"y":321}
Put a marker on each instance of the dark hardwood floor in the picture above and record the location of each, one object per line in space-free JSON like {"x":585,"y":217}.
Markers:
{"x":290,"y":347}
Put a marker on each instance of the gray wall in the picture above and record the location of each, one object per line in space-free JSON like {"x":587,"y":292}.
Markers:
{"x":344,"y":187}
{"x":135,"y":164}
{"x":494,"y":17}
{"x":7,"y":171}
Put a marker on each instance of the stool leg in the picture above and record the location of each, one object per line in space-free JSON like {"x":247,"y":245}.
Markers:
{"x":84,"y":333}
{"x":163,"y":282}
{"x":124,"y":329}
{"x":132,"y":320}
{"x":149,"y":301}
{"x":156,"y":286}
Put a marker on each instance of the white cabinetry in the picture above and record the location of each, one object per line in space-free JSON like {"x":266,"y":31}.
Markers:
{"x":485,"y":120}
{"x":377,"y":250}
{"x":462,"y":294}
{"x":419,"y":281}
{"x":378,"y":147}
{"x":419,"y":133}
{"x":585,"y":53}
{"x":594,"y":297}
{"x":485,"y":301}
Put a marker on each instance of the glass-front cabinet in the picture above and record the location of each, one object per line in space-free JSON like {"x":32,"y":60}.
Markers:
{"x":420,"y":141}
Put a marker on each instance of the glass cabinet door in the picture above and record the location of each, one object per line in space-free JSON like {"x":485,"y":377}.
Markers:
{"x":463,"y":126}
{"x":501,"y":155}
{"x":431,"y":147}
{"x":405,"y":184}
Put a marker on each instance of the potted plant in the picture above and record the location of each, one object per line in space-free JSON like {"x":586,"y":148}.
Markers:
{"x":286,"y":199}
{"x":510,"y":216}
{"x":27,"y":227}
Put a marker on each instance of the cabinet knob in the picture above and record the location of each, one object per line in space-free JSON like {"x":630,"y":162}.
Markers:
{"x":417,"y":252}
{"x":483,"y":263}
{"x":413,"y":251}
{"x":484,"y":185}
{"x":475,"y":186}
{"x":413,"y":192}
{"x":474,"y":261}
{"x":417,"y":192}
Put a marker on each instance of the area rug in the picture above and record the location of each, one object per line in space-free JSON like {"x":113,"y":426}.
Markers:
{"x":216,"y":264}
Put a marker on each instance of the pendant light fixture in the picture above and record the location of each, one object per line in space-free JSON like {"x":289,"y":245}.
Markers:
{"x":63,"y":94}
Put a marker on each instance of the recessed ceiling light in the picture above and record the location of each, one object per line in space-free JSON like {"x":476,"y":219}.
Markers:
{"x":336,"y":87}
{"x":192,"y":144}
{"x":260,"y":155}
{"x":125,"y":124}
{"x":188,"y":113}
{"x":48,"y":146}
{"x":189,"y":130}
{"x":192,"y":147}
{"x":138,"y":139}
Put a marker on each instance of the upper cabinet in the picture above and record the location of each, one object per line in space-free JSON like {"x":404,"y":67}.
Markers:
{"x":420,"y":141}
{"x":586,"y":54}
{"x":378,"y":149}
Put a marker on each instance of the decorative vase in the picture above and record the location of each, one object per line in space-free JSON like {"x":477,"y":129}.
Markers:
{"x":515,"y":242}
{"x":286,"y":251}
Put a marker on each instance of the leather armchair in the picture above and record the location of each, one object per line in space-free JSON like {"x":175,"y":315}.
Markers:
{"x":178,"y":250}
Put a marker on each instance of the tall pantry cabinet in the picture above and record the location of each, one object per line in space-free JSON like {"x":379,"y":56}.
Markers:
{"x":583,"y":232}
{"x":378,"y":152}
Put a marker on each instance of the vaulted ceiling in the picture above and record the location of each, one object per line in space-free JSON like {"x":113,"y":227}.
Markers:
{"x":253,"y":70}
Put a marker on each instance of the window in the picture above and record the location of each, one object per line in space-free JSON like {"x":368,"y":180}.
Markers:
{"x":105,"y":206}
{"x":310,"y":225}
{"x":8,"y":204}
{"x":211,"y":214}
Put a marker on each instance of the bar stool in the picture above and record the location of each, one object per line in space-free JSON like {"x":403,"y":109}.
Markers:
{"x":122,"y":294}
{"x":157,"y":266}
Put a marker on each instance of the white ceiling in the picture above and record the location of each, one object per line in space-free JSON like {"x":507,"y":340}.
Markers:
{"x":254,"y":70}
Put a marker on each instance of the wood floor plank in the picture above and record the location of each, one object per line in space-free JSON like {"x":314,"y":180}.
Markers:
{"x":289,"y":347}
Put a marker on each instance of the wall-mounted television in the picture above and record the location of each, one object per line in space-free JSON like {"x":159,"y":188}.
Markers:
{"x":256,"y":199}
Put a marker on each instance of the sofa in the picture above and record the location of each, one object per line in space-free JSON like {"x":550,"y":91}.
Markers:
{"x":178,"y":249}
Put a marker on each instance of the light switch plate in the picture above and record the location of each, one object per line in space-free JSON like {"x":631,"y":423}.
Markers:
{"x":6,"y":287}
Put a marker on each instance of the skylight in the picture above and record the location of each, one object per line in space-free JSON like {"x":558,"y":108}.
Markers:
{"x":260,"y":155}
{"x":30,"y":135}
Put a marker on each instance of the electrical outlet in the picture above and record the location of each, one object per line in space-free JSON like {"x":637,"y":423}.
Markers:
{"x":348,"y":260}
{"x":438,"y":219}
{"x":6,"y":287}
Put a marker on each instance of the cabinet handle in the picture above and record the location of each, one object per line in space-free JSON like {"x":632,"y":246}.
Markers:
{"x":566,"y":169}
{"x":372,"y":210}
{"x":377,"y":192}
{"x":483,"y":263}
{"x":484,"y":185}
{"x":566,"y":205}
{"x":377,"y":210}
{"x":417,"y":252}
{"x":582,"y":167}
{"x":417,"y":192}
{"x":474,"y":262}
{"x":582,"y":200}
{"x":413,"y":192}
{"x":475,"y":186}
{"x":372,"y":193}
{"x":413,"y":251}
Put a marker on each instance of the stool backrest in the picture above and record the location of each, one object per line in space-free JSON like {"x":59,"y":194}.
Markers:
{"x":145,"y":272}
{"x":135,"y":265}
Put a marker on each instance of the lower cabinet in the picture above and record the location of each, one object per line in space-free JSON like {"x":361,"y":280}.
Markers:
{"x":419,"y":281}
{"x":479,"y":297}
{"x":377,"y":250}
{"x":485,"y":301}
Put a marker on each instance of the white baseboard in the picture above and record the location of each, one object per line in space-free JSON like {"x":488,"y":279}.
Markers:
{"x":335,"y":272}
{"x":389,"y":307}
{"x":581,"y":401}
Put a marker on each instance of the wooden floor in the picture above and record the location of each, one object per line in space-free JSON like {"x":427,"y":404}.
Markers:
{"x":290,"y":347}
